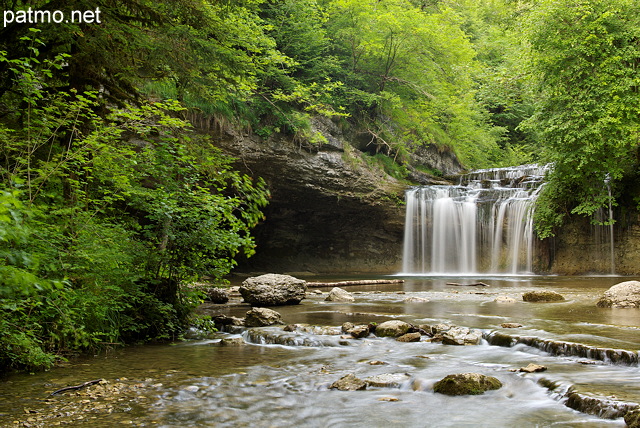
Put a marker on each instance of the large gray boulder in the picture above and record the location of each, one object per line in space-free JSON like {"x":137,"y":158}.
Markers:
{"x":466,"y":384}
{"x":623,"y":295}
{"x":273,"y":290}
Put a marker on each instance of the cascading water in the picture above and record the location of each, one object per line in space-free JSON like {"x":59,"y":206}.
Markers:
{"x":482,"y":225}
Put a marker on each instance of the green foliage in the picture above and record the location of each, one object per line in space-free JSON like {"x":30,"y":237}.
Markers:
{"x":103,"y":219}
{"x":389,"y":165}
{"x":585,"y":59}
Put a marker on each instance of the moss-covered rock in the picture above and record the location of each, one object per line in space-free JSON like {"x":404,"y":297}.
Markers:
{"x":542,"y":296}
{"x":393,"y":328}
{"x":466,"y":384}
{"x":632,"y":418}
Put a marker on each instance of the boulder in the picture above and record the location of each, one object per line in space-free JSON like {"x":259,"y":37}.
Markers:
{"x":532,"y":368}
{"x":337,"y":294}
{"x":623,"y":295}
{"x":273,"y":290}
{"x":542,"y":296}
{"x":410,"y":337}
{"x":466,"y":384}
{"x":387,"y":380}
{"x":262,"y":317}
{"x":232,"y":341}
{"x":392,"y":328}
{"x":359,"y":331}
{"x":461,"y":336}
{"x":223,"y":320}
{"x":218,"y":295}
{"x":349,"y":383}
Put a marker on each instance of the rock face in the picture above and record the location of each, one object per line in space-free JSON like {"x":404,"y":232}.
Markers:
{"x":262,"y":317}
{"x":392,"y":328}
{"x":623,"y":295}
{"x":466,"y":384}
{"x":542,"y":296}
{"x":330,"y":210}
{"x":273,"y":290}
{"x":337,"y":294}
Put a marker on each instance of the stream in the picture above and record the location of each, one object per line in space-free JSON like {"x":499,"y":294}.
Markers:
{"x":282,"y":379}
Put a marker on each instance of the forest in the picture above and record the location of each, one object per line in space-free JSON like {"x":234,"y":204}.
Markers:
{"x":112,"y":203}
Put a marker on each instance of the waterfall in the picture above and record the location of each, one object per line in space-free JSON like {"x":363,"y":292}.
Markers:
{"x":482,"y":225}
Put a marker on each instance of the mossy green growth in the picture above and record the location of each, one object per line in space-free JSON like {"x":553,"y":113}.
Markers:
{"x":542,"y":296}
{"x":466,"y":384}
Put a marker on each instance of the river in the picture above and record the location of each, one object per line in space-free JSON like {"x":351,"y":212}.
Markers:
{"x":263,"y":384}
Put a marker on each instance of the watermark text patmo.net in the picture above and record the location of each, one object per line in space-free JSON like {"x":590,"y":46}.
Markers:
{"x":35,"y":17}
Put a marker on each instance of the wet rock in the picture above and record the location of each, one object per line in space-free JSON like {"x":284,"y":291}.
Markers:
{"x":466,"y":384}
{"x":632,"y":418}
{"x":532,"y":368}
{"x":510,"y":325}
{"x":273,"y":290}
{"x":388,"y":399}
{"x":262,"y":317}
{"x":347,"y":326}
{"x":556,"y":347}
{"x":232,"y":341}
{"x":542,"y":296}
{"x":461,"y":336}
{"x":392,"y":328}
{"x":218,"y":295}
{"x":623,"y":295}
{"x":359,"y":331}
{"x":505,"y":299}
{"x":377,"y":363}
{"x":387,"y":380}
{"x":349,"y":383}
{"x":337,"y":294}
{"x":223,"y":320}
{"x":415,"y":300}
{"x":602,"y":407}
{"x":410,"y":337}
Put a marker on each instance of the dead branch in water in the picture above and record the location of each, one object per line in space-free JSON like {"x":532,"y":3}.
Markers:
{"x":76,"y":387}
{"x":360,"y":282}
{"x":475,"y":284}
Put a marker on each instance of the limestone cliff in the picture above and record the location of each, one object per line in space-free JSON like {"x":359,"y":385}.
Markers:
{"x":581,"y":248}
{"x":331,"y":211}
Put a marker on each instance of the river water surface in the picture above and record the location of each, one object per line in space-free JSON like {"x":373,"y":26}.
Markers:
{"x":282,"y":379}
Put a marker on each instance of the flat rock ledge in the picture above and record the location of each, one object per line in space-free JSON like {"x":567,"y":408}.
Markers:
{"x":273,"y":290}
{"x":623,"y":295}
{"x":466,"y":384}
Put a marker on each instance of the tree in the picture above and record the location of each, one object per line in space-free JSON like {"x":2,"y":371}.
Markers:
{"x":584,"y":58}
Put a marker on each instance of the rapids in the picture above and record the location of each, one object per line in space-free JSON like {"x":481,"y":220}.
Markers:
{"x":282,"y":379}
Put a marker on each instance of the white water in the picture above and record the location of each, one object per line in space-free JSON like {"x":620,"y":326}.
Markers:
{"x":482,"y":225}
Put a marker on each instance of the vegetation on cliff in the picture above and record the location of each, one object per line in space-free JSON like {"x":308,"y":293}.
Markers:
{"x":110,"y":201}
